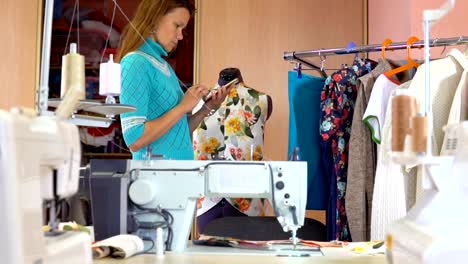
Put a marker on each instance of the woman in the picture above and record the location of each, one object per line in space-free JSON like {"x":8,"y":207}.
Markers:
{"x":162,"y":123}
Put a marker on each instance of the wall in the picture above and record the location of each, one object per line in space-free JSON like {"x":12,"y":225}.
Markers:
{"x":252,"y":35}
{"x":452,"y":25}
{"x":18,"y":50}
{"x":399,"y":19}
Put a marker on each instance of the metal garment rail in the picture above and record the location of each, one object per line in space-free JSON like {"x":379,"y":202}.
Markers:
{"x":294,"y":55}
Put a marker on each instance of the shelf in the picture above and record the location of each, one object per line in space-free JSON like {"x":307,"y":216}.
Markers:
{"x":110,"y":109}
{"x":82,"y":105}
{"x":90,"y":121}
{"x":96,"y":106}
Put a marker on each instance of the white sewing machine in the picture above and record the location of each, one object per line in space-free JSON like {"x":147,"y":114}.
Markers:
{"x":176,"y":185}
{"x":39,"y":160}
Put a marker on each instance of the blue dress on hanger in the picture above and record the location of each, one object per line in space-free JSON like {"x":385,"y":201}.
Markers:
{"x":304,"y":132}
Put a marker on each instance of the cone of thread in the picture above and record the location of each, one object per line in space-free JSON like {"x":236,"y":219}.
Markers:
{"x":419,"y":134}
{"x":403,"y":109}
{"x":73,"y":82}
{"x":109,"y":78}
{"x":73,"y":74}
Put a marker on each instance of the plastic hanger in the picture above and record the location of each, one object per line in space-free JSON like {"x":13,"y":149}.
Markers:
{"x":351,"y":45}
{"x":298,"y":69}
{"x":411,"y":63}
{"x":323,"y":59}
{"x":385,"y":45}
{"x":313,"y":66}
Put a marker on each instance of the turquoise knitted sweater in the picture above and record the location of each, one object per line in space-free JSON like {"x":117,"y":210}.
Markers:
{"x":150,"y":84}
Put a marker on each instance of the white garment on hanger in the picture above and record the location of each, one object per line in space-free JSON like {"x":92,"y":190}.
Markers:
{"x":445,"y":78}
{"x":389,"y":199}
{"x":456,"y":109}
{"x":374,"y":116}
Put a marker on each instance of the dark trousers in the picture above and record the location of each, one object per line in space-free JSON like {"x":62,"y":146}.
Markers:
{"x":221,"y":209}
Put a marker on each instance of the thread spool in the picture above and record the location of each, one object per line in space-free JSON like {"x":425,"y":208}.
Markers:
{"x":403,"y":109}
{"x":72,"y":88}
{"x":109,"y":78}
{"x":73,"y":73}
{"x":419,"y":134}
{"x":159,"y":242}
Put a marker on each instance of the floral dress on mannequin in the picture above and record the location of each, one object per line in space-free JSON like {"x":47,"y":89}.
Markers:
{"x":234,"y":132}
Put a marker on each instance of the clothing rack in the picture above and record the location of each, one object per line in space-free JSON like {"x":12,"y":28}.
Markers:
{"x":310,"y":64}
{"x":300,"y":55}
{"x":292,"y":55}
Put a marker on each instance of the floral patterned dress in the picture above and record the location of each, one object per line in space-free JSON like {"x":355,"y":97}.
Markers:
{"x":234,"y":132}
{"x":338,"y":98}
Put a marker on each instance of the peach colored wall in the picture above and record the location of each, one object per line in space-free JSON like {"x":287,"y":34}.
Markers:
{"x":399,"y":19}
{"x":253,"y":34}
{"x":388,"y":19}
{"x":18,"y":50}
{"x":453,"y":25}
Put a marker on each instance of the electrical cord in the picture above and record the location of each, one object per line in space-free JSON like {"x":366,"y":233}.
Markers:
{"x":166,"y":224}
{"x":171,"y":218}
{"x":170,"y":233}
{"x":148,"y":249}
{"x":149,"y":225}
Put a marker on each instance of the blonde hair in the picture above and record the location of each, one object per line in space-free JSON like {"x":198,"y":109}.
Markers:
{"x":147,"y":16}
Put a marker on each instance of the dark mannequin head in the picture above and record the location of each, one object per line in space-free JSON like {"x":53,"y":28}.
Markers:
{"x":228,"y":74}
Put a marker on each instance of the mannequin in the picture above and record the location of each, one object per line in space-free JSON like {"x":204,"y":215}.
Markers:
{"x":234,"y":132}
{"x":230,"y":74}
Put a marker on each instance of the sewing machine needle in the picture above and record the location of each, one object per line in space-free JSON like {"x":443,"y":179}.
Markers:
{"x":294,"y":239}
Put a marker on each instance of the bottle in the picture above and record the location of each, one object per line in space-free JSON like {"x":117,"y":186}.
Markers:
{"x":295,"y":155}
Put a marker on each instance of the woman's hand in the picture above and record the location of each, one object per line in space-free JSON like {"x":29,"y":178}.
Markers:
{"x":216,"y":98}
{"x":193,"y":96}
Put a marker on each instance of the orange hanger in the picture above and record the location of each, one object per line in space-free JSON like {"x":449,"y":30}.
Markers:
{"x":385,"y":45}
{"x":411,"y":63}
